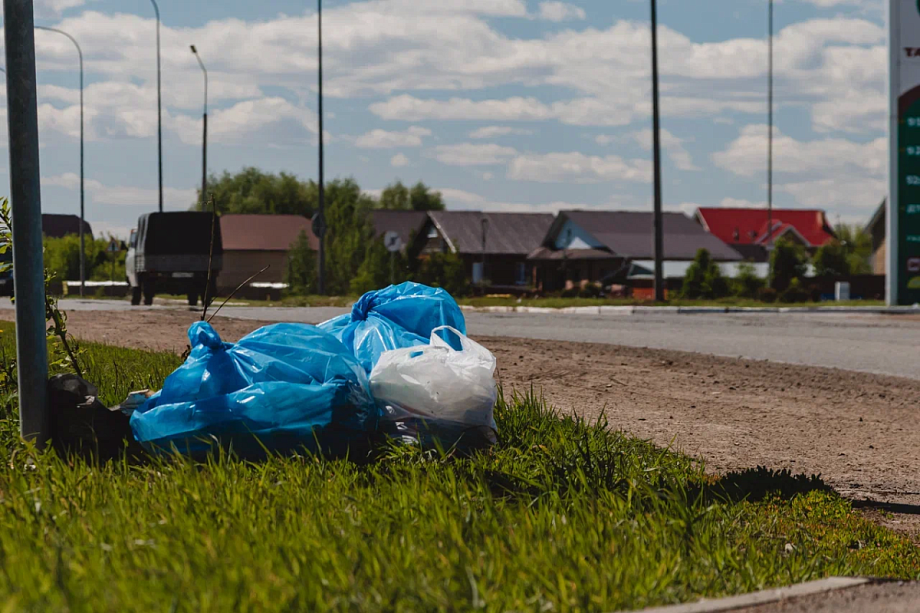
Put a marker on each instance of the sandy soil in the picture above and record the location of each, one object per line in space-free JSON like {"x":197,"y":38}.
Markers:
{"x":859,"y":431}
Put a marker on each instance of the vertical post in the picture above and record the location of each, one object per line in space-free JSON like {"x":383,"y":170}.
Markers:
{"x":156,"y":9}
{"x":482,"y":278}
{"x":392,"y":268}
{"x":656,"y":154}
{"x":892,"y":260}
{"x":770,"y":128}
{"x":321,"y":261}
{"x":204,"y":138}
{"x":25,"y":190}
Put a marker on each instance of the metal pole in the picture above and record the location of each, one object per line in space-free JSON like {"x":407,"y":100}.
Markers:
{"x":770,"y":132}
{"x":156,"y":9}
{"x":482,"y":278}
{"x":82,"y":193}
{"x":25,"y":191}
{"x":392,"y":268}
{"x":322,"y":190}
{"x":204,"y":139}
{"x":656,"y":153}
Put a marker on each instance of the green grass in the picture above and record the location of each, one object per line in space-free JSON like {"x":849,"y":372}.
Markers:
{"x":560,"y":515}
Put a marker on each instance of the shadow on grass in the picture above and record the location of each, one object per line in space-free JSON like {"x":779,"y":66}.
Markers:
{"x":756,"y":484}
{"x":891,"y":507}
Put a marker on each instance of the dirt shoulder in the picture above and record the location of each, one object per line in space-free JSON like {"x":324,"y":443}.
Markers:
{"x":859,"y":431}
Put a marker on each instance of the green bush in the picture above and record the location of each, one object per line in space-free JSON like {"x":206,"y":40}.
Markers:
{"x":379,"y":269}
{"x":747,"y":284}
{"x":444,"y":270}
{"x":832,"y":260}
{"x":62,"y":257}
{"x":796,"y":292}
{"x":767,"y":295}
{"x":704,"y":279}
{"x":788,"y":261}
{"x":301,"y":267}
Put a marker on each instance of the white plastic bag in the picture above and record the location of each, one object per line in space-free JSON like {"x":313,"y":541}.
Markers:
{"x":437,"y":384}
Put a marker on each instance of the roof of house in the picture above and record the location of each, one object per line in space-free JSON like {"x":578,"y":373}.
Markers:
{"x":750,"y":226}
{"x":630,"y":234}
{"x":264,"y":232}
{"x":506,"y":233}
{"x":57,"y":226}
{"x":404,"y":223}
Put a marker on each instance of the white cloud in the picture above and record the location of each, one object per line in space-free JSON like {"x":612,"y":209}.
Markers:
{"x":740,"y":203}
{"x":470,"y":154}
{"x":399,"y":161}
{"x":272,"y":120}
{"x":175,"y":199}
{"x":577,"y":167}
{"x":495,"y":131}
{"x":560,"y":11}
{"x":381,"y":139}
{"x":54,"y":8}
{"x":672,"y":145}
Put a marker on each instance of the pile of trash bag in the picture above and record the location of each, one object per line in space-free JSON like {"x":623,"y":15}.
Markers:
{"x":398,"y":366}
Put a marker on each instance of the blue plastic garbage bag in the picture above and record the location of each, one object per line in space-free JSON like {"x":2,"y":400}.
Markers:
{"x":395,"y":317}
{"x":283,"y":388}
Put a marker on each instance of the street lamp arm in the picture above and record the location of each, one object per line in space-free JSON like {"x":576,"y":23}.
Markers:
{"x":205,"y":71}
{"x":156,"y":9}
{"x":72,"y":39}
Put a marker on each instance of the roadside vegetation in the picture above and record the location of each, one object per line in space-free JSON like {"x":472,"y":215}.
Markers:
{"x":561,"y":514}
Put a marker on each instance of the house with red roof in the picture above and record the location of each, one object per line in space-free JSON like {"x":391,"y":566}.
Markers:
{"x":750,"y":232}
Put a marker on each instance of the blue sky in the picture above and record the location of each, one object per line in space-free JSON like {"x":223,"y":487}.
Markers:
{"x":523,"y":105}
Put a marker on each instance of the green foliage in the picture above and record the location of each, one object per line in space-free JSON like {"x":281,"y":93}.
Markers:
{"x":350,"y":231}
{"x":747,"y":284}
{"x":62,"y":259}
{"x":795,"y":292}
{"x":788,"y":261}
{"x":857,"y":244}
{"x":419,"y":198}
{"x":301,"y":270}
{"x":379,"y":269}
{"x":832,"y":260}
{"x":561,"y":515}
{"x":254,"y":191}
{"x":445,"y":270}
{"x":704,"y":279}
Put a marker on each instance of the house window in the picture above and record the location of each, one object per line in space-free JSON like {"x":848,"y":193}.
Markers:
{"x":477,"y":272}
{"x":520,"y":273}
{"x":432,"y":232}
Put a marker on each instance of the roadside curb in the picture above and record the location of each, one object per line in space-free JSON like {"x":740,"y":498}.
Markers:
{"x":702,"y":310}
{"x":731,"y":603}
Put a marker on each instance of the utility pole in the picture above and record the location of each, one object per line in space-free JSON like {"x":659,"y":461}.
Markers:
{"x":156,"y":9}
{"x":25,"y":192}
{"x":770,"y":128}
{"x":320,"y":221}
{"x":485,"y":231}
{"x":204,"y":138}
{"x":82,"y":193}
{"x":656,"y":154}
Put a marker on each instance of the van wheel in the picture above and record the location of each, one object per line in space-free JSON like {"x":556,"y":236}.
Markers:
{"x":135,"y":296}
{"x":192,"y":299}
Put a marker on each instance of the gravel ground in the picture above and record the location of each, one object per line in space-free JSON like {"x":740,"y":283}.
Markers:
{"x":877,"y":598}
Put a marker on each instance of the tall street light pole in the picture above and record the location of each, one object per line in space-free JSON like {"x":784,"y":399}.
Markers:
{"x":25,"y":193}
{"x":656,"y":154}
{"x":770,"y":128}
{"x":82,"y":198}
{"x":320,"y":224}
{"x":156,"y":9}
{"x":204,"y":139}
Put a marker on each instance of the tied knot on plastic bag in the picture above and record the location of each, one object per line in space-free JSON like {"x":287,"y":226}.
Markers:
{"x":361,"y":309}
{"x":201,"y":333}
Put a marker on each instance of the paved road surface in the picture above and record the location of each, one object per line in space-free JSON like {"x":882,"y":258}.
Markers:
{"x":870,"y":343}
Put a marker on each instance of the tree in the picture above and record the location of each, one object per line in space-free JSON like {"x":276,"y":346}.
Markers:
{"x":349,"y":232}
{"x":254,"y":191}
{"x":62,"y":257}
{"x":747,"y":284}
{"x":379,"y":269}
{"x":444,"y":270}
{"x":832,"y":260}
{"x":788,"y":261}
{"x":420,"y":197}
{"x":857,"y":244}
{"x":704,"y":279}
{"x":300,"y":274}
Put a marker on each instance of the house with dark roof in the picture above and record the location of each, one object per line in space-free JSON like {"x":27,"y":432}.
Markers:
{"x":493,"y":246}
{"x":749,"y":232}
{"x":252,"y":242}
{"x":59,"y":226}
{"x":595,"y":246}
{"x":406,"y":224}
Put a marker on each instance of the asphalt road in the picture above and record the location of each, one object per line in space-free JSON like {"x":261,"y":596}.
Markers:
{"x":884,"y":344}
